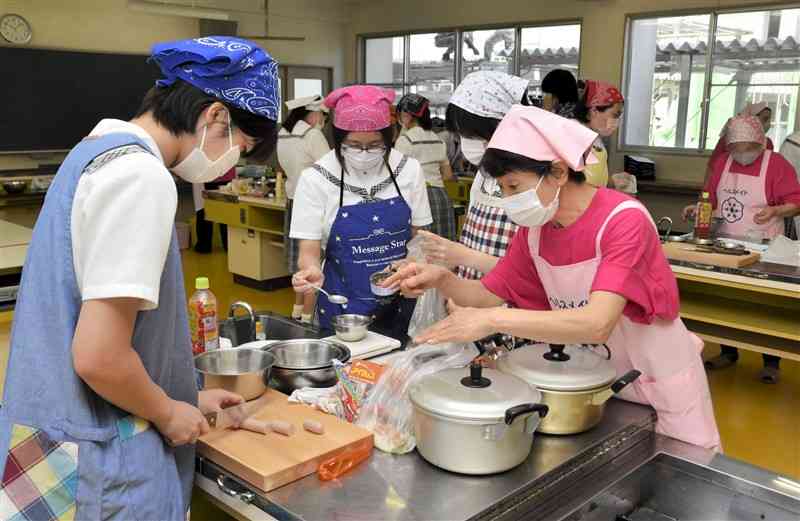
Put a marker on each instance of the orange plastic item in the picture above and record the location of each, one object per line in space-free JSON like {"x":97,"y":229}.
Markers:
{"x":343,"y":463}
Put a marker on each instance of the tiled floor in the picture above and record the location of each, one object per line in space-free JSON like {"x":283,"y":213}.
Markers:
{"x":759,"y":423}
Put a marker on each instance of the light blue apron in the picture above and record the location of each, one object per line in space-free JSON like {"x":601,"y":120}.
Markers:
{"x":65,"y":451}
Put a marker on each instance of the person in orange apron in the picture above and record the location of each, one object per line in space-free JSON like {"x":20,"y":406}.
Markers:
{"x":753,"y":190}
{"x":585,"y":267}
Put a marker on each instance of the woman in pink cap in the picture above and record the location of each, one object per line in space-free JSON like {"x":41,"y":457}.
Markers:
{"x":360,"y":205}
{"x":585,"y":267}
{"x":760,"y":110}
{"x":753,"y":190}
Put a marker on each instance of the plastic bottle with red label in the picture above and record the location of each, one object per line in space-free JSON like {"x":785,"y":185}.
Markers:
{"x":203,"y":318}
{"x":702,"y":218}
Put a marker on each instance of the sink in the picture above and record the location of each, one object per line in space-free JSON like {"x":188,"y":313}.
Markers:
{"x":670,"y":489}
{"x":275,"y":326}
{"x":278,"y":327}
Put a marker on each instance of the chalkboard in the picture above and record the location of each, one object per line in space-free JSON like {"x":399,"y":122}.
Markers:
{"x":50,"y":100}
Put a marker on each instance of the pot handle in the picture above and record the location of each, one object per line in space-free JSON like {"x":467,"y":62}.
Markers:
{"x":514,"y":412}
{"x":623,"y":381}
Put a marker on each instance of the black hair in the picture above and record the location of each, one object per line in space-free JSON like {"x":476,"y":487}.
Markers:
{"x":418,"y":107}
{"x":293,"y":117}
{"x":178,"y":106}
{"x":561,"y":84}
{"x":424,"y":120}
{"x":471,"y":126}
{"x":387,"y":135}
{"x":498,"y":163}
{"x":468,"y":125}
{"x":582,"y":111}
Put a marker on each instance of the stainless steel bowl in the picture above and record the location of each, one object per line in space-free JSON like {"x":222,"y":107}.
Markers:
{"x":242,"y":371}
{"x":351,"y":327}
{"x":15,"y":187}
{"x":305,"y":363}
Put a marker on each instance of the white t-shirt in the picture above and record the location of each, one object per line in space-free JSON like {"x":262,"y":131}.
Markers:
{"x":298,"y":151}
{"x":316,"y":200}
{"x":427,"y":148}
{"x":123,"y":217}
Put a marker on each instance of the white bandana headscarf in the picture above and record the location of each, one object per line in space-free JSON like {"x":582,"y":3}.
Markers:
{"x":489,"y":94}
{"x":310,"y":103}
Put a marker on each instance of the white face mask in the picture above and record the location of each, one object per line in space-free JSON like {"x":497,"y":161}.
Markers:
{"x":746,"y":158}
{"x":362,"y":161}
{"x":198,"y":168}
{"x":473,"y":149}
{"x":612,"y":125}
{"x":526,"y":209}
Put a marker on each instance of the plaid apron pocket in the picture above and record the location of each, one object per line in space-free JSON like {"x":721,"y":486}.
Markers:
{"x":40,"y":478}
{"x":130,"y":426}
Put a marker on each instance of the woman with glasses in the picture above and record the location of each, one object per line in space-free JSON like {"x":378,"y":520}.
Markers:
{"x":360,"y":204}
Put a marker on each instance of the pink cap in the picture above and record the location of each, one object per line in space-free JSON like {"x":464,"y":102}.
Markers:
{"x":544,"y":136}
{"x":745,"y":129}
{"x":360,"y":108}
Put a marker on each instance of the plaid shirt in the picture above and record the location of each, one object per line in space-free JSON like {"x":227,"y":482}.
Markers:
{"x":487,"y":229}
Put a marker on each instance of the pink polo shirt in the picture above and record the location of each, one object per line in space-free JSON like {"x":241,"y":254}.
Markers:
{"x":781,"y":184}
{"x":633,"y":264}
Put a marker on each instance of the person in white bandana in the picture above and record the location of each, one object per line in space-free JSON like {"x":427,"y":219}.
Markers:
{"x":475,"y":110}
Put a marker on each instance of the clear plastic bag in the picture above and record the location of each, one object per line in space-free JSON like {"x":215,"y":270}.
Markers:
{"x":430,"y":306}
{"x":388,"y":412}
{"x":429,"y":310}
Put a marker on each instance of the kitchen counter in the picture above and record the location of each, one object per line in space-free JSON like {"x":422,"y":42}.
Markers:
{"x":753,"y":308}
{"x":620,"y":468}
{"x":406,"y":487}
{"x":14,"y":240}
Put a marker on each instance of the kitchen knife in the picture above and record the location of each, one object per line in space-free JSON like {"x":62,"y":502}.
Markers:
{"x":233,"y":416}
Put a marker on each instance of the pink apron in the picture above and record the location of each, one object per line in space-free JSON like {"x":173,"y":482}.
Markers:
{"x":740,"y":197}
{"x":673,"y":379}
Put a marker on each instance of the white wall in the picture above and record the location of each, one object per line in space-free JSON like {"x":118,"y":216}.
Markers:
{"x":108,"y":25}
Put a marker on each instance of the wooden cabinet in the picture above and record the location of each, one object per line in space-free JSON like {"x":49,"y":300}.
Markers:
{"x":255,"y":255}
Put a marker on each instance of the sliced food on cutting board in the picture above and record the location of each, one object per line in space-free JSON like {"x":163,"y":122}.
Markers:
{"x":268,"y":461}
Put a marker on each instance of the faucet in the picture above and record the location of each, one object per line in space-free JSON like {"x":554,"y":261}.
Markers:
{"x":668,"y":221}
{"x":249,"y":309}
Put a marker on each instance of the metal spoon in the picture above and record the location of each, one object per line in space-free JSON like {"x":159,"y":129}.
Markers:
{"x":333,"y":299}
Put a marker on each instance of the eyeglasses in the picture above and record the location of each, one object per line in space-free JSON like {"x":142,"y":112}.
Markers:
{"x":373,"y":149}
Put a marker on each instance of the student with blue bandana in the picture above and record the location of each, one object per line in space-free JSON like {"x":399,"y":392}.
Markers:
{"x":100,"y":409}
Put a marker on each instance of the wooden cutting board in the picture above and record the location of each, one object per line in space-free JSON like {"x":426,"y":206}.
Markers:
{"x":273,"y":460}
{"x":686,"y":252}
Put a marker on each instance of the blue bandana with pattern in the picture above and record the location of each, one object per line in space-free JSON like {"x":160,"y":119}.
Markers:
{"x":232,"y":69}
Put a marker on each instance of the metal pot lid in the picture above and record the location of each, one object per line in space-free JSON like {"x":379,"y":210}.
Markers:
{"x":560,"y":368}
{"x":472,"y":393}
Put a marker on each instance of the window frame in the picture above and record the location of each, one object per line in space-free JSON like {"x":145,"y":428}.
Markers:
{"x":457,"y":54}
{"x":705,"y":103}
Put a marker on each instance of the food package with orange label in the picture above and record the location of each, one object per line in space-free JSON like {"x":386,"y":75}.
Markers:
{"x":355,"y":383}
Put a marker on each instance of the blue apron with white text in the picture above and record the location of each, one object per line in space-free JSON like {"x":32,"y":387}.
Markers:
{"x":364,"y":238}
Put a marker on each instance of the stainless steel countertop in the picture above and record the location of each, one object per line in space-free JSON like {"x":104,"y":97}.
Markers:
{"x":406,"y":487}
{"x":723,"y":488}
